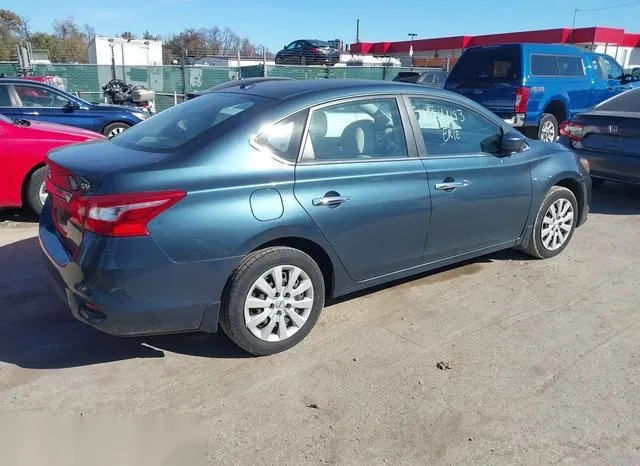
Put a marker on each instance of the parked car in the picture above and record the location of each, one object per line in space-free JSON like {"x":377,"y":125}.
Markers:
{"x":308,"y":52}
{"x":432,"y":78}
{"x":234,"y":83}
{"x":608,"y":136}
{"x":249,"y":207}
{"x":23,"y":148}
{"x":35,"y":101}
{"x":534,"y":87}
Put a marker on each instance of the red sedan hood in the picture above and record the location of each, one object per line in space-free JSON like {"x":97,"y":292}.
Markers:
{"x":63,"y":132}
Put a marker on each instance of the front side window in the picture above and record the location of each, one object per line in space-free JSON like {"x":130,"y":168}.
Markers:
{"x":361,"y":130}
{"x":283,"y":139}
{"x":450,"y":129}
{"x":33,"y":96}
{"x":609,"y":68}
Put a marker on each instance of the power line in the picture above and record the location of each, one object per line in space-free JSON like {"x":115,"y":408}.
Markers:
{"x":578,"y":10}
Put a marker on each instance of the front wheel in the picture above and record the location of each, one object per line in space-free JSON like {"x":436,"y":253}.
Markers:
{"x":114,"y":129}
{"x":36,"y":194}
{"x":272,"y":300}
{"x":554,"y":225}
{"x":548,"y":129}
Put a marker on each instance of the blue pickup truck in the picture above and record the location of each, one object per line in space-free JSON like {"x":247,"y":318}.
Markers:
{"x":535,"y":87}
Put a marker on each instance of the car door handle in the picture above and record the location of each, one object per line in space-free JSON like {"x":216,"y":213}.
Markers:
{"x":330,"y":201}
{"x":31,"y":113}
{"x":449,"y":186}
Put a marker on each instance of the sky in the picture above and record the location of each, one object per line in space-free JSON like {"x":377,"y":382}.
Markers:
{"x":282,"y":22}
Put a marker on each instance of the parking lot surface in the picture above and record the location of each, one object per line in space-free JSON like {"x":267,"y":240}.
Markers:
{"x":543,"y":362}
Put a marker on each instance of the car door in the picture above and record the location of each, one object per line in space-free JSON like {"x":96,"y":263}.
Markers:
{"x":42,"y":103}
{"x":8,"y":105}
{"x":611,"y":77}
{"x":479,"y":200}
{"x":360,"y":181}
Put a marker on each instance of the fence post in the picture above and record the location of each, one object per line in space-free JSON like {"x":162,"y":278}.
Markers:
{"x":326,"y":72}
{"x":239,"y":67}
{"x":264,"y":62}
{"x":384,"y":72}
{"x":182,"y":72}
{"x":175,"y":98}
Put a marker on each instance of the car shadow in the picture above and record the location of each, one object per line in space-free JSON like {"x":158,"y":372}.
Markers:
{"x":38,"y":332}
{"x":25,"y":216}
{"x":616,"y":199}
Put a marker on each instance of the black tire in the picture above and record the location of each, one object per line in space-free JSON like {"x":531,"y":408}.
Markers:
{"x":232,"y":320}
{"x":596,"y":183}
{"x":536,"y":247}
{"x":36,"y":181}
{"x":114,"y":127}
{"x":547,"y":119}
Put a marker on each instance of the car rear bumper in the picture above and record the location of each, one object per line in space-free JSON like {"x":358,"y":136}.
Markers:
{"x":128,"y":286}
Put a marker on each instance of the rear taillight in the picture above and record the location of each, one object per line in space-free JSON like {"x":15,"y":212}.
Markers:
{"x":120,"y":214}
{"x":522,"y":99}
{"x":572,"y":130}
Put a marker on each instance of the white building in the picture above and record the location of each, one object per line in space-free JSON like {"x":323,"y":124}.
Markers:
{"x":124,"y":52}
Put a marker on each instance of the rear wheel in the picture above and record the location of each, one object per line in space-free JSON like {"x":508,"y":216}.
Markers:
{"x":548,"y":129}
{"x":36,"y":194}
{"x":114,"y":129}
{"x":272,"y":301}
{"x":554,"y":225}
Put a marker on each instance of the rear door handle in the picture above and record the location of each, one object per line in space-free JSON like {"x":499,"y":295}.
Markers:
{"x":330,"y":201}
{"x":30,"y":113}
{"x":449,"y":186}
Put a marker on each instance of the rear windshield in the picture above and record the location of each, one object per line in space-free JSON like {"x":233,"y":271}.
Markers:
{"x":626,"y":102}
{"x":181,"y":124}
{"x":490,"y":65}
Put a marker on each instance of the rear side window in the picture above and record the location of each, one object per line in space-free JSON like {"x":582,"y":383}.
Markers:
{"x":181,"y":124}
{"x":284,"y":138}
{"x":570,"y":66}
{"x":544,"y":65}
{"x":488,"y":65}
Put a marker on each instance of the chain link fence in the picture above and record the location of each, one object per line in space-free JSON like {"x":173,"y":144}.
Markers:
{"x":171,"y":83}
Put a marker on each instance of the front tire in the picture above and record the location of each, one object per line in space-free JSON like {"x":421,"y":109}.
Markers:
{"x":114,"y":129}
{"x":36,"y":193}
{"x":548,"y":129}
{"x":272,"y":301}
{"x":554,"y":225}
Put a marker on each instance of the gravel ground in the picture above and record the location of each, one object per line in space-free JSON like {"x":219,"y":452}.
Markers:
{"x":543,"y":365}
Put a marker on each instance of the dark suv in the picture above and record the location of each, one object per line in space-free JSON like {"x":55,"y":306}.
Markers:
{"x":308,"y":52}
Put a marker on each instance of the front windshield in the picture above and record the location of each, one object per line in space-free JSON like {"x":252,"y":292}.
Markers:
{"x":181,"y":124}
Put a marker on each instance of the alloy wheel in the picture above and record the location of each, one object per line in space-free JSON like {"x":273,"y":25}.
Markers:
{"x":548,"y":132}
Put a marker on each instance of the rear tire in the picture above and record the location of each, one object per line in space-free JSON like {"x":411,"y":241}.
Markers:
{"x":548,"y":129}
{"x":552,"y":230}
{"x":35,"y":195}
{"x":267,"y":321}
{"x":114,"y":129}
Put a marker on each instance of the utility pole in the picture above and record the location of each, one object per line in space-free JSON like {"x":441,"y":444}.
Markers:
{"x":411,"y":35}
{"x":357,"y":31}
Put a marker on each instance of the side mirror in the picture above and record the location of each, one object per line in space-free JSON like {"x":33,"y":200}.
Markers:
{"x":72,"y":105}
{"x":512,"y":142}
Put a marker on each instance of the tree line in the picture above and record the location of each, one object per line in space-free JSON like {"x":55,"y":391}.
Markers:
{"x":68,"y":41}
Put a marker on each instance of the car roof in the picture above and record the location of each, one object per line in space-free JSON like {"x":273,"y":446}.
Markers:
{"x":281,"y":90}
{"x":28,"y":81}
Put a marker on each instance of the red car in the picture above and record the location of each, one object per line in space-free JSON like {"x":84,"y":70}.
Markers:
{"x":23,"y":148}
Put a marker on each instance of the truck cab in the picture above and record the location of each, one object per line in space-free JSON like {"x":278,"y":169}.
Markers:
{"x":534,"y":87}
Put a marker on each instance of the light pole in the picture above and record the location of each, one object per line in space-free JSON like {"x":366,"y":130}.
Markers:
{"x":412,"y":35}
